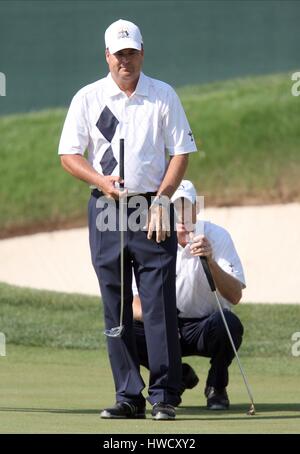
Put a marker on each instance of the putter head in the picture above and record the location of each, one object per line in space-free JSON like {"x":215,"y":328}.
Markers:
{"x":251,"y":411}
{"x":114,"y":332}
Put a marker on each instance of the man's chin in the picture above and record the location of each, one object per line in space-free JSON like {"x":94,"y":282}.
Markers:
{"x":125,"y":73}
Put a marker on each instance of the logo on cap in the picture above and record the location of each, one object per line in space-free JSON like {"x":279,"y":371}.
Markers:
{"x":123,"y":33}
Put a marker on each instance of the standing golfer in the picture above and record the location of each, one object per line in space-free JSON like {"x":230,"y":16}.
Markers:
{"x":148,"y":115}
{"x":201,"y":328}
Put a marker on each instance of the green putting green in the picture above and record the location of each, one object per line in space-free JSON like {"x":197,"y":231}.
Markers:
{"x":50,"y":390}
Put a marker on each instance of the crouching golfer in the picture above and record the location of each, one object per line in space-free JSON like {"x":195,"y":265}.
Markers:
{"x":201,"y":328}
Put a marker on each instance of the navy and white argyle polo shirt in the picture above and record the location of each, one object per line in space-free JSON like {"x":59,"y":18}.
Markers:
{"x":151,"y":121}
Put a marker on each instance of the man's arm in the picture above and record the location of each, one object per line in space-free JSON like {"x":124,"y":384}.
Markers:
{"x":229,"y":287}
{"x":174,"y":174}
{"x":158,"y":219}
{"x":80,"y":168}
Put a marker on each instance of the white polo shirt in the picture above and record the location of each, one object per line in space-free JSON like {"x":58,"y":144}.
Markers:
{"x":151,"y":121}
{"x":193,"y":294}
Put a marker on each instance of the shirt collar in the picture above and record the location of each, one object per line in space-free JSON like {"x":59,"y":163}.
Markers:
{"x":184,"y":251}
{"x":142,"y":88}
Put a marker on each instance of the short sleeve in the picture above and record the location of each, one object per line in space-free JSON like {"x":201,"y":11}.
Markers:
{"x":225,"y":252}
{"x":75,"y":134}
{"x":229,"y":260}
{"x":177,"y":132}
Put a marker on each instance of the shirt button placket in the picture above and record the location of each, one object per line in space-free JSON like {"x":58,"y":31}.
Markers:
{"x":126,"y":113}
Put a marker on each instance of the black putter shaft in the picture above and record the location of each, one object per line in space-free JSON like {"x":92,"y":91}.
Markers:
{"x":212,"y":285}
{"x":121,"y":162}
{"x":121,"y":169}
{"x":118,"y":330}
{"x":208,"y":273}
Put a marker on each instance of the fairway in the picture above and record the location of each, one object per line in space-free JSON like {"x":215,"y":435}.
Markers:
{"x":50,"y":390}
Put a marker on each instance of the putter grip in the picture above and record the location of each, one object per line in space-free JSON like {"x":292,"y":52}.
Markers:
{"x":121,"y":162}
{"x":208,"y":273}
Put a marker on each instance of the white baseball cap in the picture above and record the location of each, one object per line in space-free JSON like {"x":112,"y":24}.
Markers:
{"x":123,"y":34}
{"x":187,"y":190}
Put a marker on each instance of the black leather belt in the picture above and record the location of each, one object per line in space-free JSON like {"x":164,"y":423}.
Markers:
{"x":96,"y":193}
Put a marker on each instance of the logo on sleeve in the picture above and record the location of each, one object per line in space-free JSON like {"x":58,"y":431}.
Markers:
{"x":191,"y":136}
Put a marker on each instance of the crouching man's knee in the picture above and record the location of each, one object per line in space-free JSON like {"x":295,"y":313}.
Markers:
{"x":235,"y":327}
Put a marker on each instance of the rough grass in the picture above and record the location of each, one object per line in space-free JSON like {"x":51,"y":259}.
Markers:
{"x":247,"y":130}
{"x":52,"y":319}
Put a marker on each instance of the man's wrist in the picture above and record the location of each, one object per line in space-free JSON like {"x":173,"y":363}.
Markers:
{"x":161,"y":200}
{"x":99,"y":182}
{"x":212,"y":263}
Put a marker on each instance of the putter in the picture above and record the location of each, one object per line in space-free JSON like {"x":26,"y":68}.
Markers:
{"x":118,"y":330}
{"x":212,"y":285}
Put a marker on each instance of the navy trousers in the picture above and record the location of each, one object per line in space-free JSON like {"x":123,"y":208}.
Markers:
{"x":204,"y":337}
{"x":154,"y":266}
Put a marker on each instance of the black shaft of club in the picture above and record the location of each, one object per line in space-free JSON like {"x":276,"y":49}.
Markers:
{"x":121,"y":162}
{"x":118,"y":330}
{"x":208,"y":273}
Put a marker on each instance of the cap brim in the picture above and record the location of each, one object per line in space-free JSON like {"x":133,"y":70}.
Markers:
{"x":179,"y":194}
{"x":125,"y":43}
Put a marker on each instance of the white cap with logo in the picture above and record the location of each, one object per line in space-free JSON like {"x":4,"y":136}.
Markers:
{"x":187,"y":190}
{"x":123,"y":34}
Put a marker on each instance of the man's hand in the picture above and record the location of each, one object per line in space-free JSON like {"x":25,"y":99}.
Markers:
{"x":159,"y":221}
{"x":80,"y":168}
{"x":201,"y":247}
{"x":109,"y":189}
{"x":229,"y":286}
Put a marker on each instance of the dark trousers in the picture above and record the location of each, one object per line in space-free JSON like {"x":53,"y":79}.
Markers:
{"x":204,"y":337}
{"x":154,"y":268}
